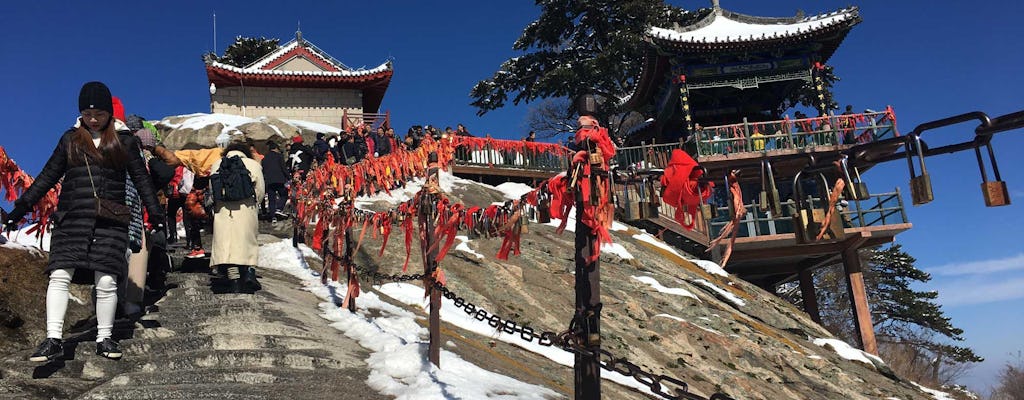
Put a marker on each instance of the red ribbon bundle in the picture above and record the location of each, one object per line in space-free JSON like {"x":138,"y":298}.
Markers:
{"x":682,"y":190}
{"x":14,"y":181}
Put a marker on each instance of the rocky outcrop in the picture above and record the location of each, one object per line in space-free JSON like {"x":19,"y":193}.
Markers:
{"x":205,"y":130}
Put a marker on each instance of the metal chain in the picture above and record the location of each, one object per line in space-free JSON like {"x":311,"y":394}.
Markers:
{"x":658,"y":384}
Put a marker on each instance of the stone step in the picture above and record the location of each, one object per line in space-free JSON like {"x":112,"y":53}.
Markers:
{"x":249,"y":376}
{"x":219,"y":342}
{"x":304,"y":359}
{"x":230,"y":391}
{"x":12,"y":387}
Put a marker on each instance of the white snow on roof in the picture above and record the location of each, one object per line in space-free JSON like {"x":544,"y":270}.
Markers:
{"x":663,"y":289}
{"x":725,"y":29}
{"x":721,"y":292}
{"x":380,"y":68}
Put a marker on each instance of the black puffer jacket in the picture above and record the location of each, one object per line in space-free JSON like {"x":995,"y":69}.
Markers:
{"x":78,"y":239}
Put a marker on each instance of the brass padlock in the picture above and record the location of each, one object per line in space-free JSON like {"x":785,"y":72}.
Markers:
{"x":996,"y":194}
{"x":705,"y":211}
{"x":920,"y":186}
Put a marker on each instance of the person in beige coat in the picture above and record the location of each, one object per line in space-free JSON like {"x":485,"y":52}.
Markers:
{"x":235,"y":227}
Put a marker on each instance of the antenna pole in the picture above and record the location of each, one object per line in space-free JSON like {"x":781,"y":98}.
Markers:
{"x":215,"y":32}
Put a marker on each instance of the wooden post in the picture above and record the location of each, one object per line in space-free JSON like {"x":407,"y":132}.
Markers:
{"x":427,"y":214}
{"x":348,"y":266}
{"x":807,"y":293}
{"x":859,"y":300}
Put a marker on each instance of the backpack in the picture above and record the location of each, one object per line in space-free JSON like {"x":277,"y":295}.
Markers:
{"x":232,"y":181}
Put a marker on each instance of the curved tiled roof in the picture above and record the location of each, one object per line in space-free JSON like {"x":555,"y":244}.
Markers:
{"x":723,"y":26}
{"x":385,"y":67}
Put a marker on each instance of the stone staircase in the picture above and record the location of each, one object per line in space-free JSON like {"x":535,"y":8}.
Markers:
{"x":197,"y":344}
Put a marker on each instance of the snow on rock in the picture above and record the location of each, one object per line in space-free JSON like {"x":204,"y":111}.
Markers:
{"x":848,"y":352}
{"x":463,"y":246}
{"x":616,"y":249}
{"x":709,"y":266}
{"x":935,"y":393}
{"x":513,"y":190}
{"x":688,"y":322}
{"x":401,"y":194}
{"x":20,"y":239}
{"x":312,"y":126}
{"x":724,"y":294}
{"x":200,"y":120}
{"x":397,"y":362}
{"x":663,"y":289}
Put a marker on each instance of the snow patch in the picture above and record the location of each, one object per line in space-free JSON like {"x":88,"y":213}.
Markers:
{"x":463,"y":246}
{"x":663,"y":289}
{"x":848,"y":352}
{"x":731,"y":298}
{"x":397,"y":361}
{"x":513,"y":190}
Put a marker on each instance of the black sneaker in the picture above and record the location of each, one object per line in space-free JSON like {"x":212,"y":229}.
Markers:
{"x":109,"y":348}
{"x":49,"y":349}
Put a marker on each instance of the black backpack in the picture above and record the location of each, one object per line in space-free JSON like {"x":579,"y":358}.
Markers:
{"x":232,"y":181}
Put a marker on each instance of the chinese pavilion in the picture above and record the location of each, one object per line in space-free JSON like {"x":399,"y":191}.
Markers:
{"x":297,"y":81}
{"x":718,"y":88}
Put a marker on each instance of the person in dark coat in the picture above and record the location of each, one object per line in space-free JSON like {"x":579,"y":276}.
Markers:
{"x":320,"y":148}
{"x":382,"y":143}
{"x":94,"y":162}
{"x":300,"y":157}
{"x":276,"y":176}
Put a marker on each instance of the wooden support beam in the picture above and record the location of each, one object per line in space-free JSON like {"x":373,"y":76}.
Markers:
{"x":808,"y":294}
{"x":859,"y":298}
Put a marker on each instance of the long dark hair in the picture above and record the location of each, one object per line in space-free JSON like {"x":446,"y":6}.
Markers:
{"x":110,"y":152}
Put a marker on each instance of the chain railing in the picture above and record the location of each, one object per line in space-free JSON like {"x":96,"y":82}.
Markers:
{"x":659,"y":384}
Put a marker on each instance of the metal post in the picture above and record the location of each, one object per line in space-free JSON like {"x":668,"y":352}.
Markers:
{"x":587,"y":376}
{"x":427,"y":214}
{"x":807,"y":293}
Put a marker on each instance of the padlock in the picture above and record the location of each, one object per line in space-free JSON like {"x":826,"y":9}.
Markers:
{"x":860,"y":187}
{"x":996,"y":194}
{"x":524,"y":223}
{"x":769,"y":196}
{"x":705,"y":211}
{"x":630,"y":207}
{"x":855,"y":190}
{"x":920,"y":186}
{"x":544,"y":211}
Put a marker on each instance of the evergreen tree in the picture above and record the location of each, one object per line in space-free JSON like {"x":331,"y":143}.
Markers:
{"x":246,"y":50}
{"x":577,"y":47}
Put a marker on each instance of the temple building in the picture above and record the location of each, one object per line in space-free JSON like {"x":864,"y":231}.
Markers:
{"x":721,"y":88}
{"x":297,"y":81}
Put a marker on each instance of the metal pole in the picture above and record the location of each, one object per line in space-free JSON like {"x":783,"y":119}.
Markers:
{"x":427,"y":214}
{"x":588,"y":305}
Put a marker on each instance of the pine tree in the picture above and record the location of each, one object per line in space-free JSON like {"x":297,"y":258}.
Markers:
{"x":577,"y":47}
{"x":246,"y":50}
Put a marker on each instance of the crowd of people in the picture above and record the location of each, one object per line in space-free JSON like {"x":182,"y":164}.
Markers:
{"x":123,"y":194}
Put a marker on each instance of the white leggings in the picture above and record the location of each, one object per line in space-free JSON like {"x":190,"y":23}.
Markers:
{"x":57,"y":303}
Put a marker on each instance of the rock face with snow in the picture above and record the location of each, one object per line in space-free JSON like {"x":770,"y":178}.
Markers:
{"x":208,"y":130}
{"x":681,"y":317}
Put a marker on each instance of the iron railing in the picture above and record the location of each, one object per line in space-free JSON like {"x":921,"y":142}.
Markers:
{"x":763,"y":137}
{"x":493,"y":157}
{"x":877,"y":210}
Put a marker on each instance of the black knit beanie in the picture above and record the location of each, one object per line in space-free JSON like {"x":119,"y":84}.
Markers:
{"x":95,"y":95}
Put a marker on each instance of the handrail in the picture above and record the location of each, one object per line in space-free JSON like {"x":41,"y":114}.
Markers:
{"x":846,"y":129}
{"x":854,"y":216}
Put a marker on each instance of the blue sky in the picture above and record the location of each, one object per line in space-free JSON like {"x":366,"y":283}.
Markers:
{"x":929,"y":62}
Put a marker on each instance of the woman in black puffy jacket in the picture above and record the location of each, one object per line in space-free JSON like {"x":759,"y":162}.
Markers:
{"x":94,"y":160}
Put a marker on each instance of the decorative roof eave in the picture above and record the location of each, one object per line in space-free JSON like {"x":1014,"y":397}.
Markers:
{"x":373,"y":86}
{"x":216,"y":69}
{"x":703,"y":32}
{"x":824,"y":35}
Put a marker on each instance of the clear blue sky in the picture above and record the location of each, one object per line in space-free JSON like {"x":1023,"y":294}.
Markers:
{"x":928,"y":60}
